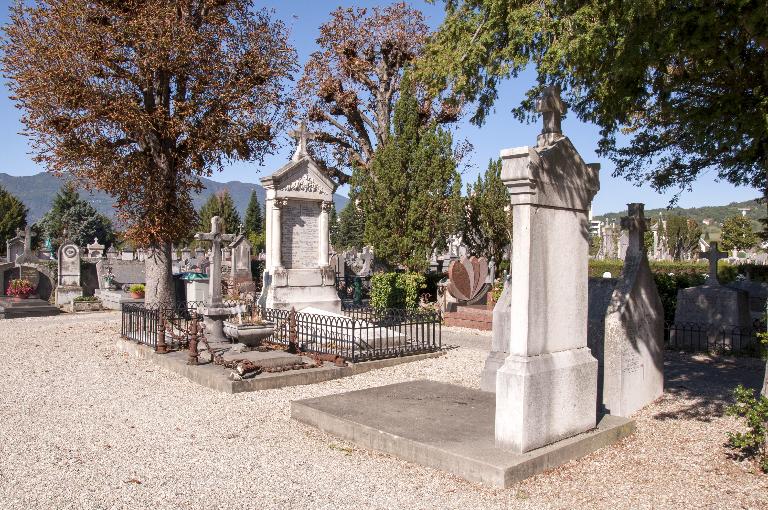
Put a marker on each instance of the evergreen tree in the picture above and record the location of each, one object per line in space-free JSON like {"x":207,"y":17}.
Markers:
{"x":219,"y":204}
{"x":411,"y":188}
{"x":333,"y":226}
{"x":682,"y":234}
{"x":737,"y":234}
{"x":82,"y":222}
{"x":254,"y":221}
{"x":351,"y":228}
{"x":488,"y":226}
{"x":13,"y":216}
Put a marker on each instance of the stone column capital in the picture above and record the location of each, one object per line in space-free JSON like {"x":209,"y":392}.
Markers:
{"x":279,"y":203}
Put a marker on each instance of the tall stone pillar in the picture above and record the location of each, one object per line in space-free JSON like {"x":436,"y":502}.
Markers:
{"x":547,"y":388}
{"x":277,"y":206}
{"x":323,"y":232}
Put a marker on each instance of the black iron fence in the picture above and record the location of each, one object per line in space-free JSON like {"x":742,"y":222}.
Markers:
{"x":353,"y":289}
{"x":358,"y":334}
{"x":692,"y":337}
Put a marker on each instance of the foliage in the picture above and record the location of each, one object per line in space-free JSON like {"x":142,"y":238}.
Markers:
{"x":413,"y":186}
{"x":20,"y":288}
{"x":397,"y":290}
{"x":333,"y":225}
{"x":595,"y":243}
{"x":659,"y":78}
{"x":351,"y":229}
{"x":143,"y":99}
{"x":350,"y":85}
{"x":754,"y":410}
{"x":219,"y":204}
{"x":85,"y":299}
{"x":258,"y":242}
{"x":488,"y":224}
{"x":13,"y":217}
{"x":79,"y":218}
{"x":254,"y":220}
{"x":137,"y":288}
{"x":737,"y":234}
{"x":682,"y":235}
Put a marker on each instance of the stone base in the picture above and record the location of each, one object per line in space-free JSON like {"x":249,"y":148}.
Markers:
{"x":15,"y":308}
{"x":322,"y":297}
{"x":470,"y":316}
{"x":493,"y":363}
{"x":66,"y":293}
{"x":114,"y":299}
{"x":446,"y":427}
{"x":543,"y":399}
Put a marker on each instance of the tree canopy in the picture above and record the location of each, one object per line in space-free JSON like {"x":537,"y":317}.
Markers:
{"x":219,"y":204}
{"x":351,"y":229}
{"x":488,"y":224}
{"x":737,"y":234}
{"x":254,"y":219}
{"x":13,"y":216}
{"x":682,"y":235}
{"x":412,"y":191}
{"x":677,"y":88}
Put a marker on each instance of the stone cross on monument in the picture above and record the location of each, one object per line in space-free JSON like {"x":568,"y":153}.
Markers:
{"x":28,"y":234}
{"x":552,"y":109}
{"x":302,"y":136}
{"x":713,"y":255}
{"x":635,"y":223}
{"x":216,"y":236}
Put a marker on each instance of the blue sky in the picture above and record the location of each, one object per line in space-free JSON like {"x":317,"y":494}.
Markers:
{"x":500,"y":131}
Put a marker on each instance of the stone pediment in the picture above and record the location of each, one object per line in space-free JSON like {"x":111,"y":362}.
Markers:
{"x":300,"y":178}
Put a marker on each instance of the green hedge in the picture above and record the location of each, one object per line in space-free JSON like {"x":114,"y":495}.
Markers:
{"x":397,"y":290}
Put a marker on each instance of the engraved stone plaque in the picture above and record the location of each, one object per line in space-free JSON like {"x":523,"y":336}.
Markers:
{"x":299,"y":234}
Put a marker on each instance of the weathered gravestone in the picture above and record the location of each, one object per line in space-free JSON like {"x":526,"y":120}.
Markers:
{"x":547,"y":388}
{"x":215,"y":311}
{"x":626,"y":328}
{"x":120,"y":274}
{"x":241,"y":275}
{"x":68,"y":287}
{"x":95,"y":249}
{"x":40,"y":275}
{"x":299,"y":198}
{"x":712,"y":315}
{"x":501,"y":327}
{"x":15,"y":246}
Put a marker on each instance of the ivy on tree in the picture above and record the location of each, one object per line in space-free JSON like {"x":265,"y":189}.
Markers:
{"x":410,"y":190}
{"x":13,"y":216}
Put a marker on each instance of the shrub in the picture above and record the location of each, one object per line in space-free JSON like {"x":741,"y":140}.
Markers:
{"x":85,"y":299}
{"x":752,"y":444}
{"x":138,"y":288}
{"x":396,"y":290}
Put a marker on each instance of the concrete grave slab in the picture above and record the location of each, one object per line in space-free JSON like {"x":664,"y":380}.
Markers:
{"x":446,"y":427}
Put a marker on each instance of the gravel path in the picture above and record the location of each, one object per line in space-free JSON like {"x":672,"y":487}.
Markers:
{"x":83,"y":427}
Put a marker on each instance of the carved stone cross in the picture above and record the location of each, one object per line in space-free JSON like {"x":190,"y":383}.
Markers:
{"x":216,"y":236}
{"x":713,"y":255}
{"x":552,"y":109}
{"x":28,"y":234}
{"x":635,"y":223}
{"x":302,"y":136}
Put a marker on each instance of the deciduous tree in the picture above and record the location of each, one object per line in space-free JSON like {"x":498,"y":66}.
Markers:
{"x":682,"y":236}
{"x":737,"y":234}
{"x":141,"y":99}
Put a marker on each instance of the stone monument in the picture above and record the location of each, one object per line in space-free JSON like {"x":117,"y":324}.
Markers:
{"x":95,"y":250}
{"x":299,"y":198}
{"x":626,"y":328}
{"x":500,"y":329}
{"x":710,"y":314}
{"x":15,"y":246}
{"x":547,"y":388}
{"x":214,"y":310}
{"x":68,"y":286}
{"x":241,"y":274}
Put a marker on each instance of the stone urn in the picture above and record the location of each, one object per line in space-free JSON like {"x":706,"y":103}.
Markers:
{"x":250,"y":335}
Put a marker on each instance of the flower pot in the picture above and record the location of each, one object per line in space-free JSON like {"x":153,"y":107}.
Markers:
{"x":137,"y":295}
{"x":247,"y":334}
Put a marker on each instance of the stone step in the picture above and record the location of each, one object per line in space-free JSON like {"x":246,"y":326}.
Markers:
{"x":468,"y":323}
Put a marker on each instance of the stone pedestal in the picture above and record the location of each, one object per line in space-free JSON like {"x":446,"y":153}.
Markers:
{"x":499,"y":341}
{"x":65,"y":294}
{"x":547,"y":388}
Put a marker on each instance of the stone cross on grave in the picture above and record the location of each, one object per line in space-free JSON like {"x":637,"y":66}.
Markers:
{"x":713,"y":255}
{"x":552,"y":109}
{"x":216,"y":236}
{"x":302,"y":136}
{"x":635,"y":223}
{"x":28,"y":234}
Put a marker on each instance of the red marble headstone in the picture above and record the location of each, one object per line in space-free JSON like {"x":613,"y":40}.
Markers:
{"x":459,"y":282}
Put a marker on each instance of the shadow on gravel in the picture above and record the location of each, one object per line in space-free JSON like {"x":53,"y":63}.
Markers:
{"x":707,"y":381}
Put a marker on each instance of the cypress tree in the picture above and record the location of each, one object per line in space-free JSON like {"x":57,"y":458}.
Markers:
{"x":253,"y":218}
{"x":219,"y":204}
{"x":13,"y":216}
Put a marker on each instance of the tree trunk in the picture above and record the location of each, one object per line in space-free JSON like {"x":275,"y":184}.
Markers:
{"x":159,"y":275}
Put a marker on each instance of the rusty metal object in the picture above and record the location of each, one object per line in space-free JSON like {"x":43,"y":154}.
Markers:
{"x":337,"y":360}
{"x":161,"y":347}
{"x":193,"y":357}
{"x":293,"y":336}
{"x":245,"y":369}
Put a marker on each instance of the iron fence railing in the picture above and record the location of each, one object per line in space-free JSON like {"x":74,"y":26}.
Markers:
{"x":720,"y":339}
{"x":358,"y":334}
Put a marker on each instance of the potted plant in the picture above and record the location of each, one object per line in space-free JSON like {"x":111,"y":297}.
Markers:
{"x":249,"y":331}
{"x":137,"y":290}
{"x":86,"y":304}
{"x":20,"y":288}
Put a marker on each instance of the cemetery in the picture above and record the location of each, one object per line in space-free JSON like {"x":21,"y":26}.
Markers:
{"x":351,"y":321}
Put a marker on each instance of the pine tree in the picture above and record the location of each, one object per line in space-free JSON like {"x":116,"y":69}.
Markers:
{"x":219,"y":204}
{"x":13,"y":216}
{"x":80,"y":219}
{"x":254,"y":221}
{"x":737,"y":234}
{"x":351,"y":227}
{"x":488,"y":225}
{"x":413,"y":185}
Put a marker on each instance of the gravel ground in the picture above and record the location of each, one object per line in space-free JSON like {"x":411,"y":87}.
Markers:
{"x":83,"y":427}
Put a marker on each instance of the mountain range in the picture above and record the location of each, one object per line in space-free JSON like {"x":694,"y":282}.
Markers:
{"x":37,"y":192}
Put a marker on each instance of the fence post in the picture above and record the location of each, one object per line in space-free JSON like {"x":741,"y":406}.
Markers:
{"x":292,"y":334}
{"x":161,"y":348}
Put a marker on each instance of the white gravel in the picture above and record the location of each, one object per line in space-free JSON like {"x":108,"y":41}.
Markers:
{"x":83,"y":427}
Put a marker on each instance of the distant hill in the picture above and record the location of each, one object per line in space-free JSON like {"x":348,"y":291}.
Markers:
{"x":717,"y":213}
{"x":37,"y":191}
